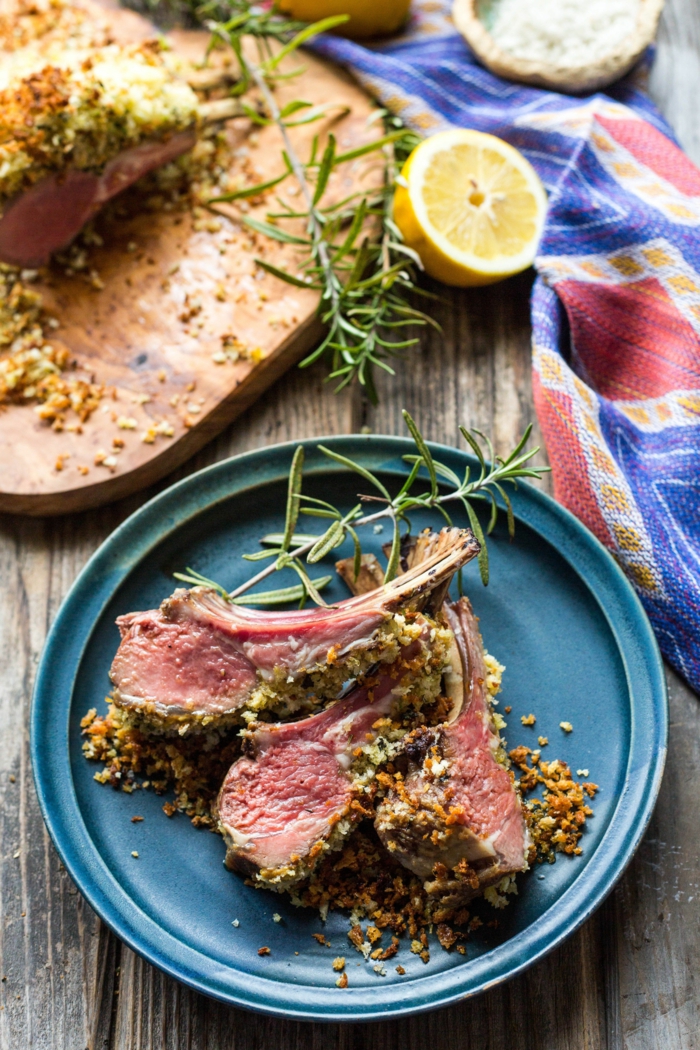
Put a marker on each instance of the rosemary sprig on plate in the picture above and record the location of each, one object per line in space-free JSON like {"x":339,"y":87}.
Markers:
{"x":295,"y":550}
{"x":355,"y":256}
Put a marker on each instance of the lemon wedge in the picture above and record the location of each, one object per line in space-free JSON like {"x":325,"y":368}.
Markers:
{"x":471,"y":206}
{"x":368,"y":18}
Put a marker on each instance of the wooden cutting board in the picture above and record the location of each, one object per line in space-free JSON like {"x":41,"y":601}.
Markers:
{"x":179,"y":291}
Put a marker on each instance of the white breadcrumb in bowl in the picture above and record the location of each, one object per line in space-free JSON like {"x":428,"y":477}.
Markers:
{"x":565,"y":45}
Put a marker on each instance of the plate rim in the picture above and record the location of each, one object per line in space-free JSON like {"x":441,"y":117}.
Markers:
{"x":58,"y":802}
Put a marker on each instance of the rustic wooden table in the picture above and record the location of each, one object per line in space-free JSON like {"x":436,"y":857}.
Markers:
{"x":627,"y":979}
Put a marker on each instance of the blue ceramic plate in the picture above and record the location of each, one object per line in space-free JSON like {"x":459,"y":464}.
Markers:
{"x":558,"y":613}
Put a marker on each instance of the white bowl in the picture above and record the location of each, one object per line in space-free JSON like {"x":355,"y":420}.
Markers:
{"x":571,"y":79}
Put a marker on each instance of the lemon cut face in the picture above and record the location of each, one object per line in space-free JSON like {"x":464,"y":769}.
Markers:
{"x":471,"y":206}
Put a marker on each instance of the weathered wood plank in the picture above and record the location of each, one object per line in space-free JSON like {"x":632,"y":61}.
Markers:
{"x":656,"y":908}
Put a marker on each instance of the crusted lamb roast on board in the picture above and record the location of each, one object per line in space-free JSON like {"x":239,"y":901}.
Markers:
{"x":200,"y":660}
{"x":304,"y":785}
{"x":456,"y":819}
{"x":83,"y":117}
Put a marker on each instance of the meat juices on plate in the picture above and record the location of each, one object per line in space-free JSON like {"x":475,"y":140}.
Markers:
{"x":202,"y":661}
{"x":456,"y":819}
{"x":304,"y":785}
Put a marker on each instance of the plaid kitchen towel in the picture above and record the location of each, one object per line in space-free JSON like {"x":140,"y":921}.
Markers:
{"x":615,"y":307}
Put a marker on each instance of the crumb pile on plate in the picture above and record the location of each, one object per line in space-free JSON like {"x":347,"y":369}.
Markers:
{"x":396,"y":802}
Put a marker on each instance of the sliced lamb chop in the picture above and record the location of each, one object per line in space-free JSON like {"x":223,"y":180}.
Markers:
{"x":306,"y":784}
{"x":200,"y":659}
{"x":455,"y":819}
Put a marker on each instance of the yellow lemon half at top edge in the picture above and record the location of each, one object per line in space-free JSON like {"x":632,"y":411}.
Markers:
{"x":367,"y":17}
{"x":471,"y":206}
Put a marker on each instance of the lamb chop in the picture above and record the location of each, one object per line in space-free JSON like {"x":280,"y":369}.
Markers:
{"x":199,"y":660}
{"x":455,"y":819}
{"x":304,"y":785}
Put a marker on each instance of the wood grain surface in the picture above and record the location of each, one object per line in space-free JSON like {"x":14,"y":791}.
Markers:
{"x":173,"y":290}
{"x":628,"y":980}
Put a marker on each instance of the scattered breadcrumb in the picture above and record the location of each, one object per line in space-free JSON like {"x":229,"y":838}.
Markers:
{"x":400,"y":971}
{"x":263,"y":951}
{"x":133,"y":759}
{"x":556,"y":820}
{"x":566,"y":726}
{"x":342,"y":981}
{"x":277,"y":917}
{"x":134,"y":853}
{"x":161,"y":429}
{"x":236,"y":923}
{"x":582,"y":773}
{"x":339,"y":963}
{"x":542,"y":741}
{"x":136,"y":820}
{"x":528,"y":720}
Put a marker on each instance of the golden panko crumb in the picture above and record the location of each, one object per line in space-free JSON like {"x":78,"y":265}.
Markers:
{"x":193,"y":769}
{"x":557,"y":820}
{"x":528,"y":720}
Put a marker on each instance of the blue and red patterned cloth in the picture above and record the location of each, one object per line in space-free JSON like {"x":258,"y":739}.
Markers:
{"x":615,"y":307}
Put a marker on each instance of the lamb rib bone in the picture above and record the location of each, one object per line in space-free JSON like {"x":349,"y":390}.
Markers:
{"x":200,"y":660}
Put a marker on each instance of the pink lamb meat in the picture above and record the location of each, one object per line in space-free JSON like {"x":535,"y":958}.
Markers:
{"x":200,"y":656}
{"x":456,"y":819}
{"x":50,"y":215}
{"x":283,"y":806}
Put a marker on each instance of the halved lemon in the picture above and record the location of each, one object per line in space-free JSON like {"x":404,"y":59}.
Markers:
{"x":472,"y":207}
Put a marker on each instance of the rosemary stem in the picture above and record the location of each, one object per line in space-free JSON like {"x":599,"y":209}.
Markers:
{"x":367,"y":519}
{"x":316,"y":230}
{"x":299,"y":552}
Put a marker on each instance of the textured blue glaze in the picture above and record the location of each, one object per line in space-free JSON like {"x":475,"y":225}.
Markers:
{"x":558,"y":612}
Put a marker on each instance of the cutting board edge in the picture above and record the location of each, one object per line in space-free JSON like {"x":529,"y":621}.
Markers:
{"x":118,"y":486}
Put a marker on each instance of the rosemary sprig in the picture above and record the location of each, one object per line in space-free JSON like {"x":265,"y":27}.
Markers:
{"x":291,"y":549}
{"x":355,"y":257}
{"x":278,"y":597}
